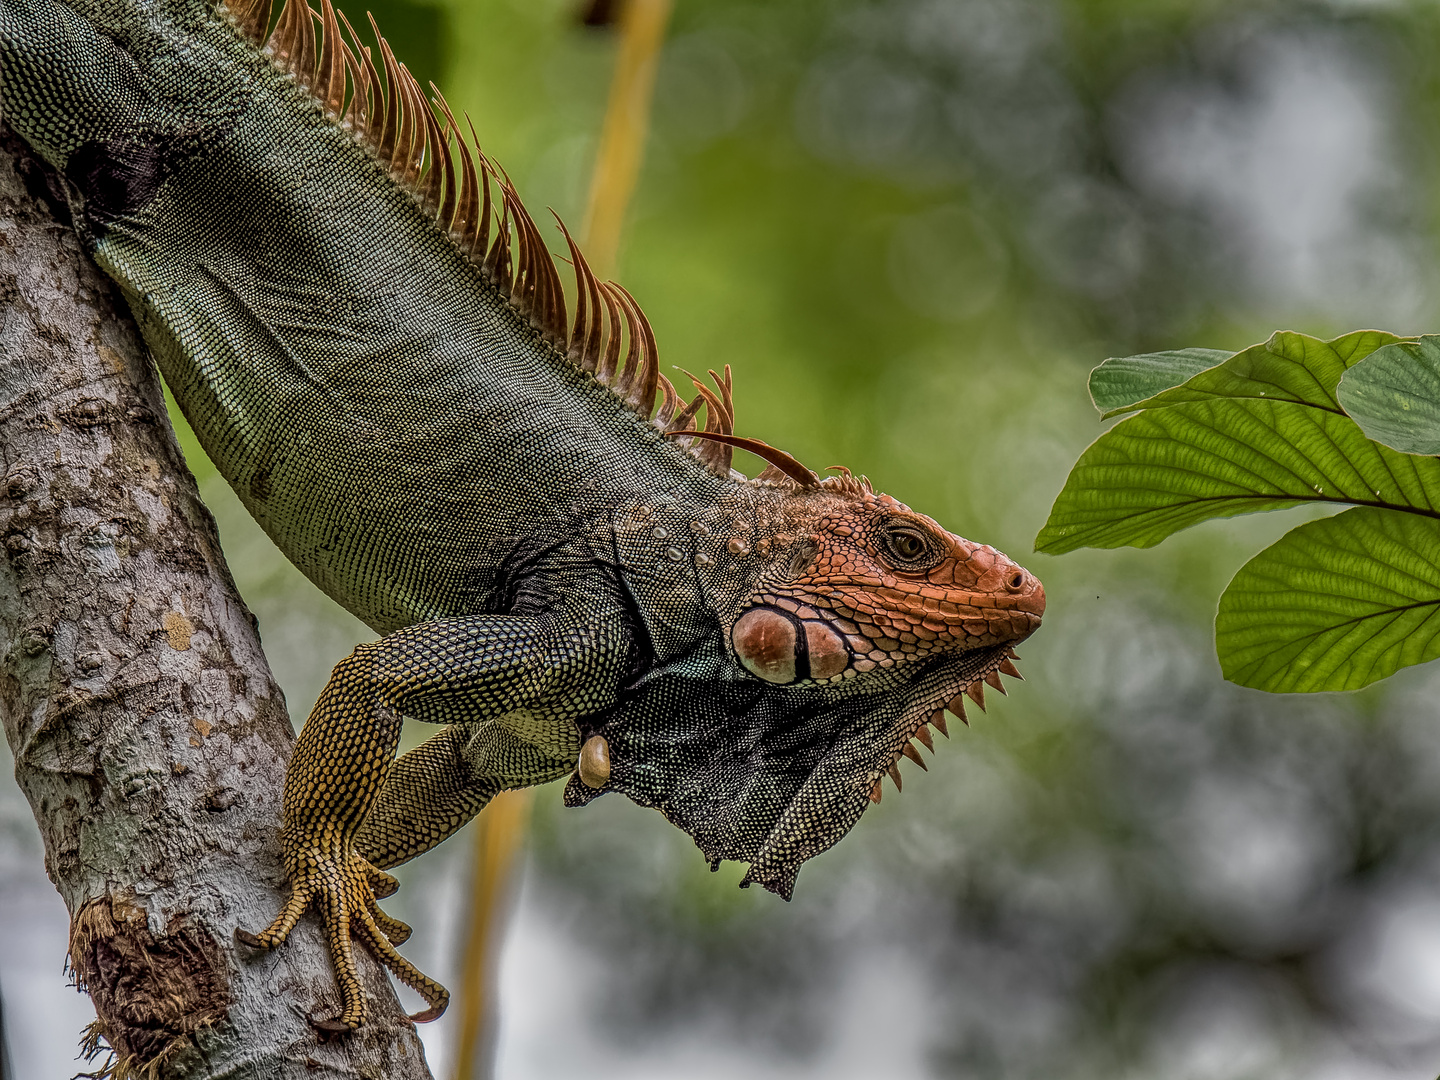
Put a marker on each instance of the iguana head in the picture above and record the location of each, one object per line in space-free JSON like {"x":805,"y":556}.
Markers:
{"x":848,"y":623}
{"x":891,"y":618}
{"x":864,"y":583}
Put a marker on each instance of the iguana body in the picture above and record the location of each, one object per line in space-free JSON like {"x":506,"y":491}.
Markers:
{"x":406,"y":409}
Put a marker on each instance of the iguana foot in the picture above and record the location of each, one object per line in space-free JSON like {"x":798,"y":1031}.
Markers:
{"x":344,"y":888}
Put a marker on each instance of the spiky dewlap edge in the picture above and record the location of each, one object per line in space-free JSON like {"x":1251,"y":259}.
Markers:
{"x":420,"y":144}
{"x":1003,"y":663}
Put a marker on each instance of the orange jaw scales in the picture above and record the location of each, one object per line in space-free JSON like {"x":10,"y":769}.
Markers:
{"x":827,"y":652}
{"x":782,"y":646}
{"x":869,"y":610}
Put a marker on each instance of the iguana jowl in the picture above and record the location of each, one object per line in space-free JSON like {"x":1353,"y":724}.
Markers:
{"x":364,"y":327}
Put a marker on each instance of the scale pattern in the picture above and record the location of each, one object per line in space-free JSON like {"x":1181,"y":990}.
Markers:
{"x":552,"y":546}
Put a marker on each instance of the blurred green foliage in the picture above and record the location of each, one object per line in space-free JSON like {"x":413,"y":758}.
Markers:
{"x":912,"y":226}
{"x":1335,"y":604}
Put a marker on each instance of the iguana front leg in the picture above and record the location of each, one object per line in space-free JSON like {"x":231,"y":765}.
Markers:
{"x":473,"y":672}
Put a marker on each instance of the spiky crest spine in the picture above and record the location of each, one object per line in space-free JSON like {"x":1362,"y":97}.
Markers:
{"x":390,"y":116}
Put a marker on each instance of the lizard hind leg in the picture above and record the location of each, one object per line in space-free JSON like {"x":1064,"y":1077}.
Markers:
{"x":351,"y":913}
{"x":351,"y":809}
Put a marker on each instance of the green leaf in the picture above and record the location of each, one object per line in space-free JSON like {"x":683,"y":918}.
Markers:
{"x":1167,"y":469}
{"x":1394,"y":395}
{"x":1335,"y":604}
{"x":1118,"y":383}
{"x":1262,"y":431}
{"x":1288,"y":367}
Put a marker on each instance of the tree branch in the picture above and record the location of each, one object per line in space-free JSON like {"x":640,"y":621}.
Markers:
{"x":148,"y":734}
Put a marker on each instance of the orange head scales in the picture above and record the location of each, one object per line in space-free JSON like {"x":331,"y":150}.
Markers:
{"x":872,"y":584}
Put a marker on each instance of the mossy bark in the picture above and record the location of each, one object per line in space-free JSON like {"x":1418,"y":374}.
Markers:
{"x":148,"y":734}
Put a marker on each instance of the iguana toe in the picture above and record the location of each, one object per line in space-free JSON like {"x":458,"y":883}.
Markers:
{"x":244,"y":937}
{"x":397,"y":931}
{"x":275,"y":934}
{"x":381,"y":883}
{"x":435,"y":995}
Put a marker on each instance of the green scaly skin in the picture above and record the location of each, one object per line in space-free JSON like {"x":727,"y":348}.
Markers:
{"x":543,"y":564}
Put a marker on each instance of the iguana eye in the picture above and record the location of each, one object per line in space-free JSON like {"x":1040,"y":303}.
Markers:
{"x":906,"y":545}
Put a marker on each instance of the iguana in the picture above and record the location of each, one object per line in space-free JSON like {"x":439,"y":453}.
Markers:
{"x":372,"y":342}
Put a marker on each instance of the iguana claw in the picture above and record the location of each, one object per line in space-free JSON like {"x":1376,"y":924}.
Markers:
{"x":244,"y":937}
{"x":329,"y":1028}
{"x":344,"y":890}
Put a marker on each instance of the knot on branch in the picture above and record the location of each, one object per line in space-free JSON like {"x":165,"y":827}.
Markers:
{"x":151,"y":993}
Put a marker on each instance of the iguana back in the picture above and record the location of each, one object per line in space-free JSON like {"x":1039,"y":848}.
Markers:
{"x":385,"y":409}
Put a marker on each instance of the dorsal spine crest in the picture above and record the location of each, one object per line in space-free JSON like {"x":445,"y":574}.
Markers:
{"x":387,"y":112}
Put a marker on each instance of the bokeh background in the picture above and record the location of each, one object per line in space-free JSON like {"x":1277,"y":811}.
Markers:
{"x":913,"y":226}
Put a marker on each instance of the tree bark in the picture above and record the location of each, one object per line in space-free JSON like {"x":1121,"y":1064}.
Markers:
{"x":148,"y":734}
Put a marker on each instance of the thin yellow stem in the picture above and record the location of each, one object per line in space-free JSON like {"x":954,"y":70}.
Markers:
{"x":622,"y":139}
{"x":500,"y":827}
{"x":499,"y":834}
